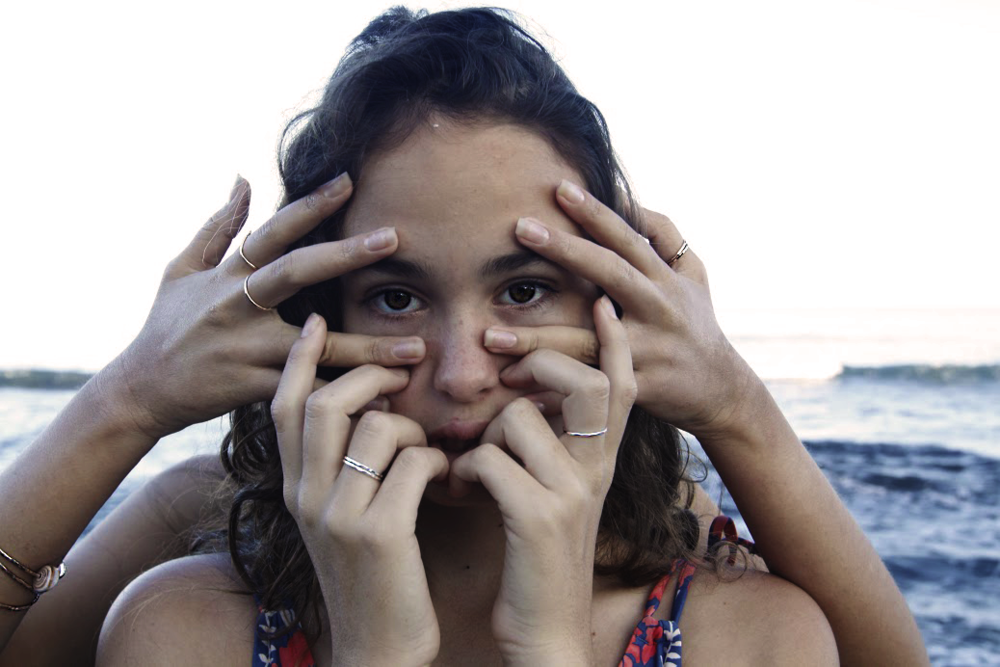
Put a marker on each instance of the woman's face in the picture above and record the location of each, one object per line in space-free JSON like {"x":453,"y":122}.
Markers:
{"x":454,"y":194}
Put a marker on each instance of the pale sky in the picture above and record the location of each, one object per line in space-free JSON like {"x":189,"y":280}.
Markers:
{"x":822,"y":154}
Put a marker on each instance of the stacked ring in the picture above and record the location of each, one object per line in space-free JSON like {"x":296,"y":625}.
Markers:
{"x":246,"y":290}
{"x":363,"y":469}
{"x":587,"y":435}
{"x":680,"y":253}
{"x":243,"y":254}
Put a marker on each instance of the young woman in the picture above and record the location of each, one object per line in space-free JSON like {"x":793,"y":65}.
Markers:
{"x":481,"y":491}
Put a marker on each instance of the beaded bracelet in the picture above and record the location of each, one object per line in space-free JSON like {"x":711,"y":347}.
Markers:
{"x":45,"y":579}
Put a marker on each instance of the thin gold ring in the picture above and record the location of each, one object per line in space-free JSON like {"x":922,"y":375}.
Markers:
{"x":246,"y":290}
{"x":243,"y":254}
{"x":680,"y":253}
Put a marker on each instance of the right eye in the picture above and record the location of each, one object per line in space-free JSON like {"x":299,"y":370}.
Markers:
{"x":395,"y":302}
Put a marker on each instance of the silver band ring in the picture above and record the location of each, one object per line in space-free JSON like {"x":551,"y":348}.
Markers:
{"x":362,"y":468}
{"x":680,"y":253}
{"x":243,"y":255}
{"x":246,"y":290}
{"x":588,"y":435}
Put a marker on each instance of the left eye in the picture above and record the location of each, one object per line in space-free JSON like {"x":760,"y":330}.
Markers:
{"x":522,"y":293}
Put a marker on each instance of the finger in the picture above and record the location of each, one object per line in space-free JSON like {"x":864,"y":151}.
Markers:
{"x":522,"y":429}
{"x":377,"y":439}
{"x":328,"y":420}
{"x":349,"y":350}
{"x":616,"y":364}
{"x":507,"y":482}
{"x":404,"y":485}
{"x":576,"y":343}
{"x":666,"y":239}
{"x":280,"y":279}
{"x":608,"y":228}
{"x":294,"y":388}
{"x":601,"y":266}
{"x":586,"y":389}
{"x":292,"y":222}
{"x":208,"y":246}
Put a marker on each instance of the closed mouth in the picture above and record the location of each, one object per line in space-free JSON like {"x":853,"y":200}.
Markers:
{"x":457,"y":436}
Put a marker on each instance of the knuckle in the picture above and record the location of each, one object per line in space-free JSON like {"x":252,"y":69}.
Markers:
{"x":349,"y":251}
{"x":599,"y":386}
{"x":589,"y":349}
{"x":593,"y":207}
{"x":625,"y":275}
{"x":376,"y":350}
{"x":309,"y":517}
{"x":519,"y":407}
{"x":411,"y":460}
{"x":330,"y":350}
{"x":319,"y":404}
{"x":630,"y":391}
{"x":285,"y":270}
{"x":372,"y":424}
{"x":281,"y":410}
{"x":486,"y":452}
{"x":312,"y":202}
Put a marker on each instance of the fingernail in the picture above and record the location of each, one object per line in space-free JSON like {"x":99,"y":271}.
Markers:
{"x":310,"y":326}
{"x":571,"y":192}
{"x":336,"y":187}
{"x":499,"y":339}
{"x":409,"y":349}
{"x":540,"y":406}
{"x":609,"y":307}
{"x":380,"y":239}
{"x":530,"y":230}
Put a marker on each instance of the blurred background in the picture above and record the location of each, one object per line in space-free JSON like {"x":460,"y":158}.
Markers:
{"x":834,"y":163}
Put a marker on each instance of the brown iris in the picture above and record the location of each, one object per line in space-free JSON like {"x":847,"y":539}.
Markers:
{"x":522,"y":293}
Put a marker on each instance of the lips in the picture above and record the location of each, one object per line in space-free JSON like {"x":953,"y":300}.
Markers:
{"x":457,"y":436}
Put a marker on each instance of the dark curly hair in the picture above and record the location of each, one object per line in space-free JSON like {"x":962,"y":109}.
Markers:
{"x":469,"y":66}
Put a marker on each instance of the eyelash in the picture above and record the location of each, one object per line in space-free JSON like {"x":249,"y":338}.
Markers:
{"x":548,"y":292}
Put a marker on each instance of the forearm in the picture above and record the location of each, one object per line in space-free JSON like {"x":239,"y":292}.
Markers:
{"x":807,"y":536}
{"x":57,"y":485}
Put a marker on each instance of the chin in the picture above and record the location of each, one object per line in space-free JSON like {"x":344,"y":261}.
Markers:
{"x":437,"y":493}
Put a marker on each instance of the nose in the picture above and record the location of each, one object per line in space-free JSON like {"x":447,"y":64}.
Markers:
{"x":464,"y":369}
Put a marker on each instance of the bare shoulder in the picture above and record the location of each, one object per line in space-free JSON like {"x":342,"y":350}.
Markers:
{"x":753,"y":618}
{"x":189,"y":610}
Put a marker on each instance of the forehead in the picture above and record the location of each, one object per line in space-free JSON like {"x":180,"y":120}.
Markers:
{"x":455,"y":188}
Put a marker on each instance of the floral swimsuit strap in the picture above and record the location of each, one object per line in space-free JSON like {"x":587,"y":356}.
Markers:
{"x":723,"y":529}
{"x":657,"y":643}
{"x":286,"y":650}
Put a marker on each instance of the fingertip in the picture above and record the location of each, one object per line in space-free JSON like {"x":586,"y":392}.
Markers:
{"x":312,"y":325}
{"x":410,"y":350}
{"x":571,"y":192}
{"x":609,"y":307}
{"x":499,"y":339}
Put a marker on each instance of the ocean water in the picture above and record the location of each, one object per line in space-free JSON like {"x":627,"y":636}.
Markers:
{"x":901,"y":409}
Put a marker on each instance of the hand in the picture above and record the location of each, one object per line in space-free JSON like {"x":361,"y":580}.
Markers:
{"x":687,"y":372}
{"x":359,"y":531}
{"x":206,"y":349}
{"x":551,"y":506}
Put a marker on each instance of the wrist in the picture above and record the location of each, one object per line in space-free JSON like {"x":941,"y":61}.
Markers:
{"x":118,"y":405}
{"x":748,"y":407}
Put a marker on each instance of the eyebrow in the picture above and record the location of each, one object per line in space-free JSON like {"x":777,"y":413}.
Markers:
{"x":496,"y":266}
